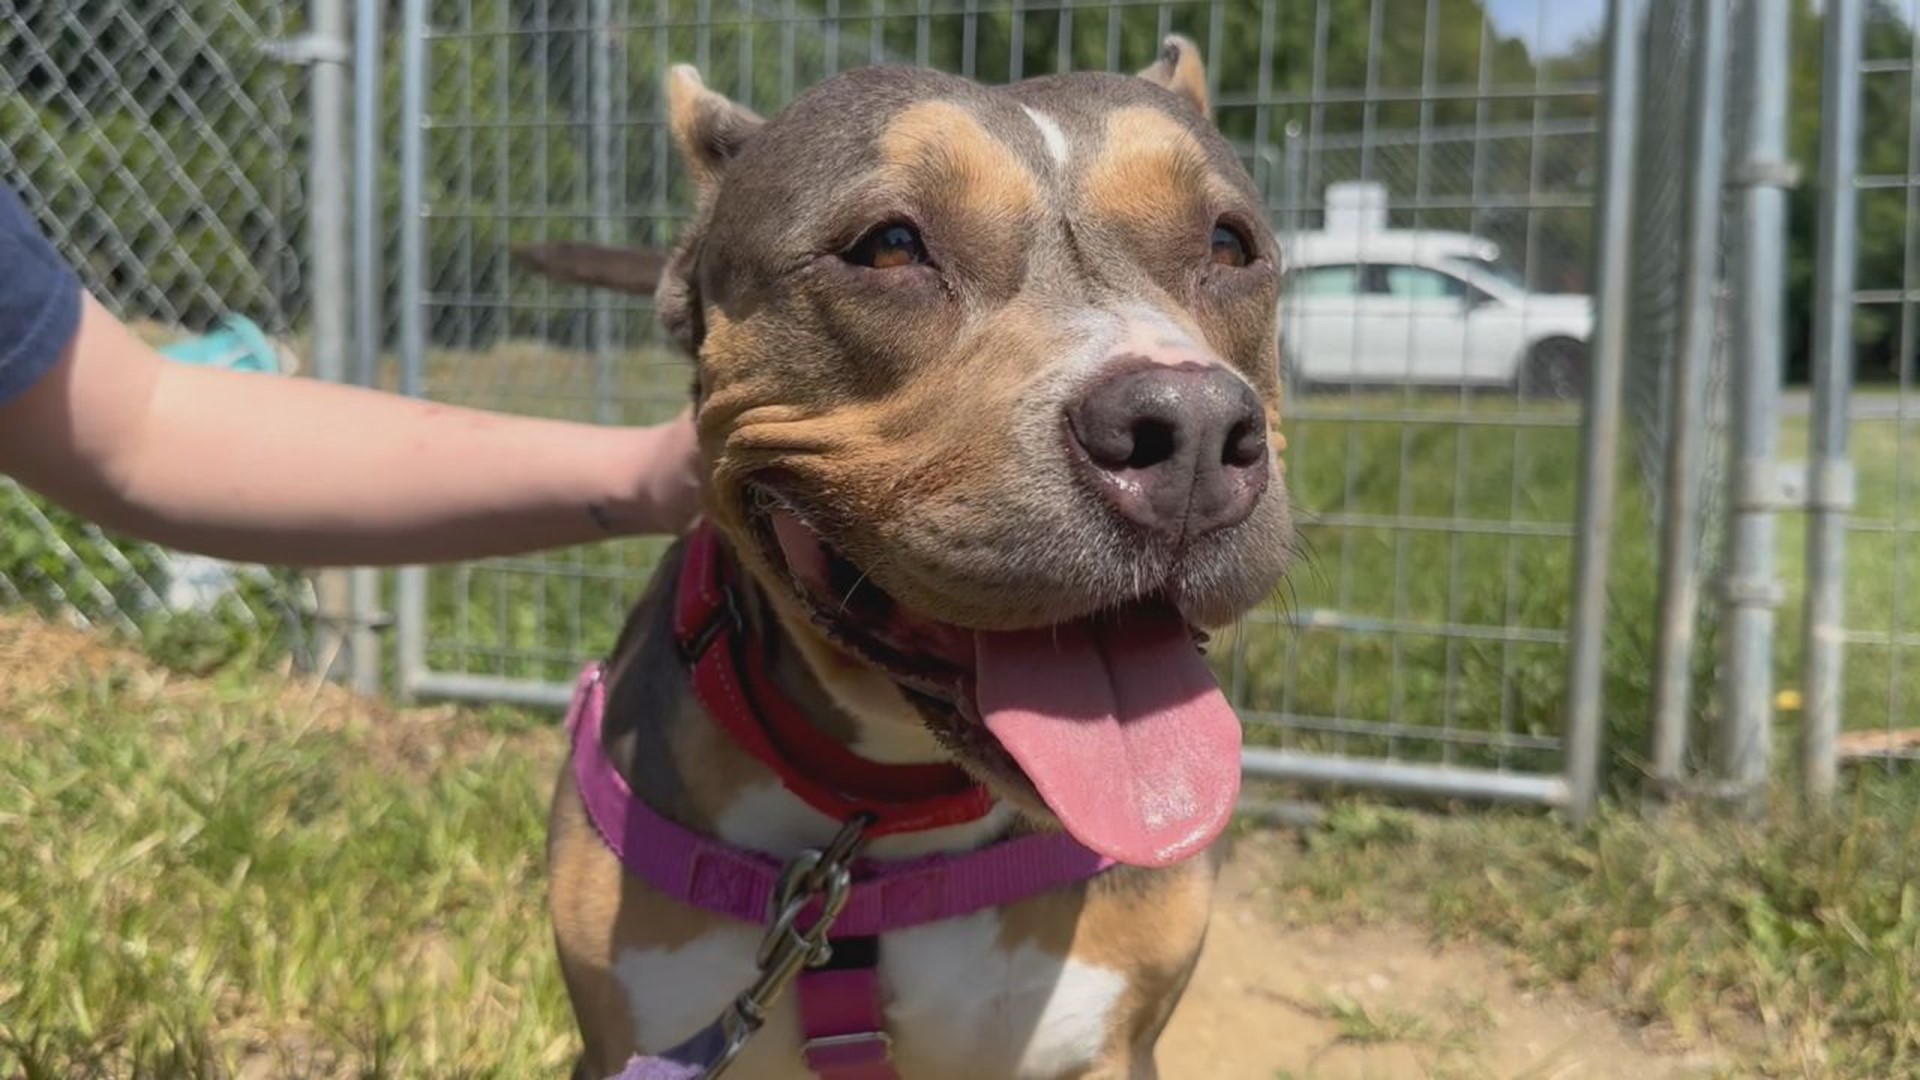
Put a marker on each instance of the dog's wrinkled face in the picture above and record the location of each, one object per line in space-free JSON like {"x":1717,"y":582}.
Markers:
{"x":976,"y":361}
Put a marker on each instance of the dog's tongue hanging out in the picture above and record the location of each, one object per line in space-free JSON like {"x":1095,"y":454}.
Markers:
{"x":1122,"y":729}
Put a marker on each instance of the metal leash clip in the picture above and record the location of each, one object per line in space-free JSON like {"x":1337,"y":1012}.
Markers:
{"x":788,"y":948}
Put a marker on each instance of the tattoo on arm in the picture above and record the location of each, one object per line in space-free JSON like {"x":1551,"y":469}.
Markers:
{"x":604,"y":519}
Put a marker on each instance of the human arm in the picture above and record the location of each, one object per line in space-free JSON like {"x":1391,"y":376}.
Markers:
{"x":304,"y":473}
{"x":294,"y":471}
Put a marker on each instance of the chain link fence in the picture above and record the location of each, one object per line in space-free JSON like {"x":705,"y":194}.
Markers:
{"x":1437,"y":364}
{"x":1676,"y":388}
{"x":160,"y":148}
{"x":1860,"y":644}
{"x":1428,"y":628}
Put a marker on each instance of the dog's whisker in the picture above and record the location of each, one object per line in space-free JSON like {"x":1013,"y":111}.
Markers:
{"x":851,"y":589}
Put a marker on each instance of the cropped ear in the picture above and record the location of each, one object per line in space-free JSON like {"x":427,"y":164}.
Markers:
{"x":1181,"y":70}
{"x":677,"y":303}
{"x":709,"y":128}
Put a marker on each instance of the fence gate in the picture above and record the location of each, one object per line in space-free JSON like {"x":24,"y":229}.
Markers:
{"x":1455,"y":535}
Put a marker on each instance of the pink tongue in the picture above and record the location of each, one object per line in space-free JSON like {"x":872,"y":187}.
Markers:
{"x":1122,"y":729}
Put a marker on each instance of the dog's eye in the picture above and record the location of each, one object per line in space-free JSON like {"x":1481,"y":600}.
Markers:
{"x":889,"y":247}
{"x":1229,"y":247}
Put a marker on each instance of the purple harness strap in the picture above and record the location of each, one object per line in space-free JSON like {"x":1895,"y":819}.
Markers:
{"x":887,"y":896}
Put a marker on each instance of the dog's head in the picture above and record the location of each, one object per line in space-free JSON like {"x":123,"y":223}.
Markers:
{"x":988,"y":388}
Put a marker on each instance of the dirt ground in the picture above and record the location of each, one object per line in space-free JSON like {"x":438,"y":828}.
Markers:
{"x":1271,"y":1002}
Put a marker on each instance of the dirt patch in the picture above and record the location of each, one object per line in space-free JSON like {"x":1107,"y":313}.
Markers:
{"x":38,"y":656}
{"x":1271,"y":1001}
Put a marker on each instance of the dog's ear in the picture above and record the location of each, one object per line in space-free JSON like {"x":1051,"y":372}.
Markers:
{"x":1181,"y":70}
{"x":628,"y":270}
{"x":708,"y":127}
{"x":677,"y":304}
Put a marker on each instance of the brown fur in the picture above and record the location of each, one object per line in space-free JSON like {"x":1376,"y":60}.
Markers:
{"x":907,"y":417}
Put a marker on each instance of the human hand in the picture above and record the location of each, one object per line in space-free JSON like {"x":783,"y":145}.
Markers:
{"x":662,"y":479}
{"x":680,"y":474}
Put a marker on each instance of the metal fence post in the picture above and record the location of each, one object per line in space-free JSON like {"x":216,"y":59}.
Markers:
{"x":600,"y":162}
{"x":1687,"y":393}
{"x":1830,"y":472}
{"x":1742,"y":747}
{"x":411,"y":613}
{"x":368,"y":284}
{"x":1600,"y":422}
{"x":1293,"y":164}
{"x":327,"y":237}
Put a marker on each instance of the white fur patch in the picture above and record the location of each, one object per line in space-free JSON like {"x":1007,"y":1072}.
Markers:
{"x":1056,"y":139}
{"x":672,"y":993}
{"x":1026,"y":1013}
{"x":958,"y":1004}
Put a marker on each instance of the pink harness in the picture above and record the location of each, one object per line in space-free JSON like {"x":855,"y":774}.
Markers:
{"x":841,"y":1010}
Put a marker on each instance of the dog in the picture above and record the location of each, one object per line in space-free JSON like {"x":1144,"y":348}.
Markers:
{"x":988,"y":397}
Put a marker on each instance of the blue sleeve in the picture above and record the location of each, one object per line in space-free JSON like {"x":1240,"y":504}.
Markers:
{"x":39,"y":300}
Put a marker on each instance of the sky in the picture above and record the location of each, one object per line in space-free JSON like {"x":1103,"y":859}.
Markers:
{"x":1547,"y":26}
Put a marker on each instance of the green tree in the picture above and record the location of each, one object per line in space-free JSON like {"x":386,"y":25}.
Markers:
{"x":1885,"y":230}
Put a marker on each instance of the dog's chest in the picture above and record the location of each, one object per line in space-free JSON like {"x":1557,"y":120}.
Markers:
{"x":960,"y":1002}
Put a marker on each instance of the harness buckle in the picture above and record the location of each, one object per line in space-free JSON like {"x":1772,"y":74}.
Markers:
{"x":860,"y":1050}
{"x":787,"y":949}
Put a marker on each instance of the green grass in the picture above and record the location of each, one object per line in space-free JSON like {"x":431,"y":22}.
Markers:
{"x":1370,"y":1024}
{"x":1793,"y":945}
{"x":236,"y":876}
{"x":1882,"y":685}
{"x":1491,"y":553}
{"x":208,"y":877}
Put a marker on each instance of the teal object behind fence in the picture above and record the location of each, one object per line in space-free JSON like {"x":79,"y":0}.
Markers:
{"x":235,"y":342}
{"x":195,"y":582}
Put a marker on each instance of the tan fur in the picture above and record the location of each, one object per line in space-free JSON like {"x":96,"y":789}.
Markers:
{"x":1149,"y":172}
{"x":593,"y":917}
{"x":1180,"y":70}
{"x":940,"y":142}
{"x":1151,"y":931}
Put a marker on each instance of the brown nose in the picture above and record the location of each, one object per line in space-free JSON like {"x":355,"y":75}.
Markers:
{"x":1178,"y":449}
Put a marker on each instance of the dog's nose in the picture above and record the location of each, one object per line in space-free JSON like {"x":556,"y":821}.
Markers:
{"x":1178,"y":449}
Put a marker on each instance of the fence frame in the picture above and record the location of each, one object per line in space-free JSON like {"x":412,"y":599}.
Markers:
{"x":1829,"y":468}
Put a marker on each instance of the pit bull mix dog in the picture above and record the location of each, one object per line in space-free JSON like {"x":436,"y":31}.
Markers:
{"x":988,"y":394}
